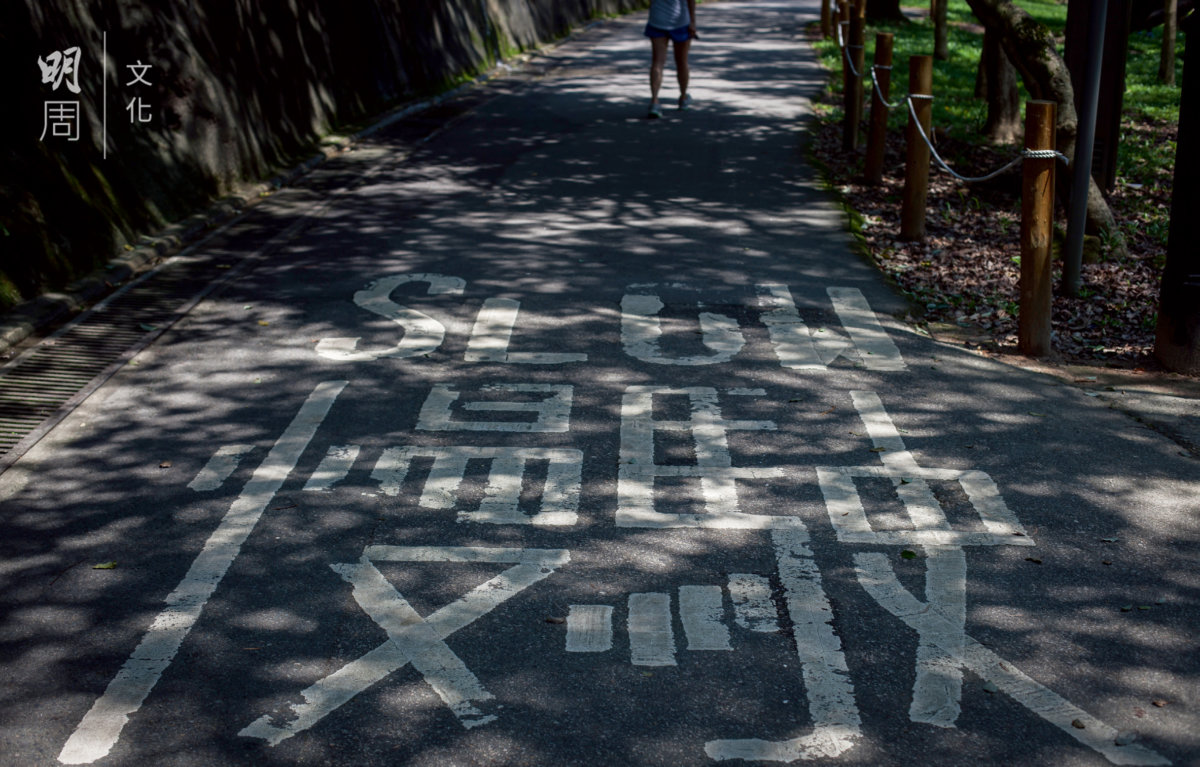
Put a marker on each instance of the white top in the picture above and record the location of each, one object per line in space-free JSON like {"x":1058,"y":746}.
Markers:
{"x":669,"y":14}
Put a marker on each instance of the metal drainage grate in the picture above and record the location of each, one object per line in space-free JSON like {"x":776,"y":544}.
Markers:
{"x":43,"y":385}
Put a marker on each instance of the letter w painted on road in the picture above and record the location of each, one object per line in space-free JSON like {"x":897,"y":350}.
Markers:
{"x":413,"y":639}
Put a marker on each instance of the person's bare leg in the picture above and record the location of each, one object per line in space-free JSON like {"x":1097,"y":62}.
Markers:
{"x":658,"y":62}
{"x":681,"y":67}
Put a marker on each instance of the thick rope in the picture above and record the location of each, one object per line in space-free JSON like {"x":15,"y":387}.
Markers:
{"x":879,"y":92}
{"x":1031,"y":154}
{"x":1027,"y":153}
{"x":846,"y":51}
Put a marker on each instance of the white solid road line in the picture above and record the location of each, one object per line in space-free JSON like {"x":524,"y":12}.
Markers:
{"x":937,"y":690}
{"x":101,"y":726}
{"x":830,"y":691}
{"x":219,"y":468}
{"x":333,"y":468}
{"x":876,"y":348}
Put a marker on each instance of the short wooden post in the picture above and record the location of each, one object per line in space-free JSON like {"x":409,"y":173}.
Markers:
{"x":1037,"y":222}
{"x":877,"y":132}
{"x":853,"y":90}
{"x":916,"y":164}
{"x":826,"y":19}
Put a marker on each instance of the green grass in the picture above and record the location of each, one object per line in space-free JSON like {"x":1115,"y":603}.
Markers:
{"x":9,"y":295}
{"x":955,"y":107}
{"x":1144,"y":157}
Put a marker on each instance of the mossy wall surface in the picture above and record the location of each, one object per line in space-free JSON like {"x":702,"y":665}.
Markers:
{"x":237,"y":89}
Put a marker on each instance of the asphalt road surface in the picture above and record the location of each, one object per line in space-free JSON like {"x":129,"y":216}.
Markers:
{"x":567,"y":437}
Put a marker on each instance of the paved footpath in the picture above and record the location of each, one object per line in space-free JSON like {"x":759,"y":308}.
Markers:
{"x":566,"y":437}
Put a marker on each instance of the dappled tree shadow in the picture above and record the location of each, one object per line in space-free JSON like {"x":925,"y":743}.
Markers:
{"x":550,"y":196}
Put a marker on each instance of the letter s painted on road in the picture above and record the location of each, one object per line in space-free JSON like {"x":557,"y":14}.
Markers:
{"x":422,"y":333}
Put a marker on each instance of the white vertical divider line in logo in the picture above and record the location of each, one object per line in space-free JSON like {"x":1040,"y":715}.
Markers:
{"x":492,"y":334}
{"x":100,"y":728}
{"x":830,"y":691}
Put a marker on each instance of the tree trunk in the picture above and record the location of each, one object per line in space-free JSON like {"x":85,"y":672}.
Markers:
{"x":1031,"y":49}
{"x":1166,"y":63}
{"x":884,"y":10}
{"x":999,"y":78}
{"x":941,"y":46}
{"x":1177,"y":341}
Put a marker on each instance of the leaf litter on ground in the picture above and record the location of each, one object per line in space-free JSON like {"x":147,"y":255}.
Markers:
{"x":965,"y":272}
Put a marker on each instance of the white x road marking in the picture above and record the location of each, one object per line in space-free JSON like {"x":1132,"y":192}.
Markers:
{"x":413,"y":639}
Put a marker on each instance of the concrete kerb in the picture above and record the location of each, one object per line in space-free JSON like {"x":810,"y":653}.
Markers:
{"x":49,"y":309}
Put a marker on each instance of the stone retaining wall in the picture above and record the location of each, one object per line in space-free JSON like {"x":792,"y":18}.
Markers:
{"x":236,"y":89}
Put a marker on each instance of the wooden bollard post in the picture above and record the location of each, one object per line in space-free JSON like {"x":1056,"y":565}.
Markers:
{"x":826,"y":19}
{"x":877,"y":132}
{"x":916,"y":164}
{"x":854,"y":90}
{"x":1037,"y":222}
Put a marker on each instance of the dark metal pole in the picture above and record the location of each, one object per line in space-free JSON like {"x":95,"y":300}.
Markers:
{"x":1081,"y":172}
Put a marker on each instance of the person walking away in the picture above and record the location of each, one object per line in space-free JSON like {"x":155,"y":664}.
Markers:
{"x":673,"y":20}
